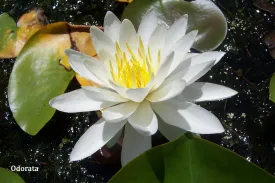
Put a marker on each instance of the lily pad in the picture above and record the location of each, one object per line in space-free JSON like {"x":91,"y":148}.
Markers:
{"x":14,"y":36}
{"x":8,"y":31}
{"x":272,"y":89}
{"x":42,"y":72}
{"x":7,"y":176}
{"x":203,"y":15}
{"x":191,"y":160}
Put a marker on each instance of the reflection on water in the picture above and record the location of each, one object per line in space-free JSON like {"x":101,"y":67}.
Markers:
{"x":249,"y":118}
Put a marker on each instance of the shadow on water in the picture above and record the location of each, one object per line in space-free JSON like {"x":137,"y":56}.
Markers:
{"x":249,"y":118}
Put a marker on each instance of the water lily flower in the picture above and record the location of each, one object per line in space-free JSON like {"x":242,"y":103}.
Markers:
{"x":147,"y":83}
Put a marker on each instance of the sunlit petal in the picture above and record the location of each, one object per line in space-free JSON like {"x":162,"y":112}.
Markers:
{"x":176,"y":31}
{"x":199,"y":91}
{"x":144,"y":119}
{"x":112,"y":26}
{"x":147,"y":26}
{"x":119,"y":112}
{"x":128,"y":35}
{"x":94,"y":138}
{"x":197,"y":71}
{"x":182,"y":47}
{"x":167,"y":91}
{"x":76,"y":60}
{"x":188,"y":116}
{"x":101,"y":40}
{"x":79,"y":101}
{"x":105,"y":94}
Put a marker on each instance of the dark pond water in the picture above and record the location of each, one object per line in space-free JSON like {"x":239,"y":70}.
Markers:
{"x":249,"y":118}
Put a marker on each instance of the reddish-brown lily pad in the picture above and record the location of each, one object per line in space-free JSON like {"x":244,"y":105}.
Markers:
{"x":14,"y":36}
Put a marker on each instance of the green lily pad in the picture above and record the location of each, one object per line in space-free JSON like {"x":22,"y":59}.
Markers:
{"x":203,"y":15}
{"x":272,"y":89}
{"x":191,"y":160}
{"x":7,"y":176}
{"x":41,"y":72}
{"x":8,"y":31}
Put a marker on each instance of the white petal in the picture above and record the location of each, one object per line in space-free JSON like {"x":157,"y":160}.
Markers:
{"x":105,"y":56}
{"x":169,"y":131}
{"x":179,"y":72}
{"x":119,"y":112}
{"x":207,"y":92}
{"x":105,"y":94}
{"x":156,"y":43}
{"x":188,"y":116}
{"x":182,"y":47}
{"x":99,"y":70}
{"x":78,"y":101}
{"x":112,"y":26}
{"x":107,"y":59}
{"x":189,"y":55}
{"x":163,"y":71}
{"x":138,"y":94}
{"x":197,"y":71}
{"x":144,"y":119}
{"x":101,"y":40}
{"x":168,"y":91}
{"x":176,"y":31}
{"x":133,"y":145}
{"x":121,"y":90}
{"x":147,"y":26}
{"x":206,"y":57}
{"x":128,"y":35}
{"x":94,"y":138}
{"x":76,"y":60}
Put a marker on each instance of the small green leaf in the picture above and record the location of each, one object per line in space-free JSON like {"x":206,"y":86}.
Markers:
{"x":272,"y":89}
{"x":203,"y":15}
{"x":7,"y":176}
{"x":191,"y":160}
{"x":8,"y":30}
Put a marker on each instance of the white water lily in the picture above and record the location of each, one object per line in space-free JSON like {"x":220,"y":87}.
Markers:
{"x":141,"y":75}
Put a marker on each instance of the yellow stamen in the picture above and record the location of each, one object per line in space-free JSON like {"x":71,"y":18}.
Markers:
{"x":159,"y":57}
{"x":134,"y":72}
{"x":131,"y":52}
{"x":112,"y":71}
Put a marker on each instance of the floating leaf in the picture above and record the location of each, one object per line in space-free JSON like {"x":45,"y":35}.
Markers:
{"x":38,"y":75}
{"x":203,"y":15}
{"x":125,"y":1}
{"x":272,"y":89}
{"x":7,"y":176}
{"x":8,"y":31}
{"x":191,"y":160}
{"x":13,"y":37}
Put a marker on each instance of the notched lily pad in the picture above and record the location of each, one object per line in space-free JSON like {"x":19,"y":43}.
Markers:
{"x":42,"y":72}
{"x":203,"y":15}
{"x":14,"y":36}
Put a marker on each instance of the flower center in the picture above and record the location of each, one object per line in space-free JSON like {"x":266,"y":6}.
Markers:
{"x":134,"y":71}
